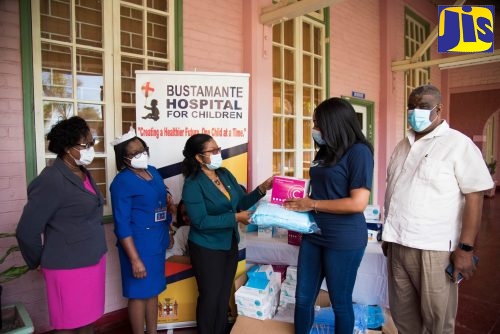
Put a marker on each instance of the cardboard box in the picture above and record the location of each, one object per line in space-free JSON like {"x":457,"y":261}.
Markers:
{"x":247,"y":325}
{"x":285,"y":187}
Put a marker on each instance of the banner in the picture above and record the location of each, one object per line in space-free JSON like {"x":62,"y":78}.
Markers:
{"x":170,"y":107}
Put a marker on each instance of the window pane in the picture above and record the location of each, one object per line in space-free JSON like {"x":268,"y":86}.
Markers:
{"x":289,"y":132}
{"x":158,"y":4}
{"x":53,"y":112}
{"x":157,"y":35}
{"x":55,"y":21}
{"x":306,"y":38}
{"x":307,"y":157}
{"x":89,"y":23}
{"x":277,"y":33}
{"x":306,"y":130}
{"x":128,"y":118}
{"x":289,"y":65}
{"x":277,"y":98}
{"x":289,"y":165}
{"x":93,"y":114}
{"x":277,"y":133}
{"x":57,"y":79}
{"x":129,"y":66}
{"x":131,"y":30}
{"x":307,"y":101}
{"x":89,"y":75}
{"x":277,"y":62}
{"x":306,"y":69}
{"x":289,"y":32}
{"x":137,"y":2}
{"x":318,"y":41}
{"x":289,"y":101}
{"x":277,"y":163}
{"x":318,"y":69}
{"x":155,"y":65}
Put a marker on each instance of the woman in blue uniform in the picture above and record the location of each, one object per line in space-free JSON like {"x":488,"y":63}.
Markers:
{"x":139,"y":199}
{"x":341,"y":180}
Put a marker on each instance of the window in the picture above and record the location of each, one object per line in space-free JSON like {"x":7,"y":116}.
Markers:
{"x":416,"y":32}
{"x":86,"y":54}
{"x":299,"y":80}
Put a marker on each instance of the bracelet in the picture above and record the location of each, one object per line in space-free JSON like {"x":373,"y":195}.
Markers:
{"x":314,"y":206}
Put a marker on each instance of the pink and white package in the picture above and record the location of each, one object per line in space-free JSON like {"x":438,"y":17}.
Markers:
{"x":285,"y":187}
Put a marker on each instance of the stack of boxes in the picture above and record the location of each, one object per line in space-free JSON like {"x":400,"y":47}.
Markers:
{"x":373,"y":224}
{"x":258,"y":298}
{"x":287,"y":294}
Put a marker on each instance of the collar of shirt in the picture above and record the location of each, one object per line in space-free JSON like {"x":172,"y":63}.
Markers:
{"x":440,"y":130}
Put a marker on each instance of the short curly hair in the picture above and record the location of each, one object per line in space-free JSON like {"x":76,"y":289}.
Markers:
{"x":67,"y":133}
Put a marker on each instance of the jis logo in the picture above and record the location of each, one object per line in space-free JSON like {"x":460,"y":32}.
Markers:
{"x":465,"y":28}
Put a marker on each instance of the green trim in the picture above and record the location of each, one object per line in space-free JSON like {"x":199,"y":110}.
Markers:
{"x":327,"y":51}
{"x":425,"y":24}
{"x":370,"y":124}
{"x":370,"y":115}
{"x":27,"y":85}
{"x":179,"y":36}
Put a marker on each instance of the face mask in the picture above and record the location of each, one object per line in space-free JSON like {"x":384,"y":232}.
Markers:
{"x":86,"y":156}
{"x":141,"y":162}
{"x":318,"y":138}
{"x":215,"y":161}
{"x":419,"y":119}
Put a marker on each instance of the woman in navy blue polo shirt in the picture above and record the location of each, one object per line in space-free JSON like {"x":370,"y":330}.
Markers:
{"x":341,"y":180}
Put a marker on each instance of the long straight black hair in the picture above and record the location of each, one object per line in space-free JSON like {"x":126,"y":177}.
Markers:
{"x":340,"y":128}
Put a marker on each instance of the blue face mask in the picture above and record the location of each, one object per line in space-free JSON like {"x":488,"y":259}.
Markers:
{"x":215,"y":161}
{"x":318,"y":138}
{"x":419,"y":119}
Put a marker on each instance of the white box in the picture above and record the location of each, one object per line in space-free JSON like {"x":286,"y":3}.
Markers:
{"x":291,"y":274}
{"x":372,"y":212}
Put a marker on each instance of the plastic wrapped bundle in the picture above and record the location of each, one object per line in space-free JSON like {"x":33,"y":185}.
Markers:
{"x":268,"y":214}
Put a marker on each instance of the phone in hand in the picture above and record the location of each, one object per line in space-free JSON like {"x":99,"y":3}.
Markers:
{"x":449,"y":270}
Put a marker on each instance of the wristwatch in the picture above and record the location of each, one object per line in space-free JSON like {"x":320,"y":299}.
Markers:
{"x":465,"y":247}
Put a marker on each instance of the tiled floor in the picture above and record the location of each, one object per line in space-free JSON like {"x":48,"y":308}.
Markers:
{"x":479,"y":299}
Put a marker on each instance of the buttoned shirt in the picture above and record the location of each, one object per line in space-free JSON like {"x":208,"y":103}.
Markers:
{"x":427,"y":181}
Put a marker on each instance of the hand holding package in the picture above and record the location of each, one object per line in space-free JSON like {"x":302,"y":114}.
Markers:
{"x":268,"y":214}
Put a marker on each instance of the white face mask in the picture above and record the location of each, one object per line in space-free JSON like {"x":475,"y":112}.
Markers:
{"x":215,"y":161}
{"x":86,"y":156}
{"x":318,"y":138}
{"x":141,"y":162}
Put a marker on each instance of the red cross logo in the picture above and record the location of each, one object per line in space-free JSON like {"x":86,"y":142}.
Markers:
{"x":146,"y":89}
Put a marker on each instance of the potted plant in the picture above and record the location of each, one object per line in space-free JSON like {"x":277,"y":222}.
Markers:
{"x":492,"y":169}
{"x":14,"y":318}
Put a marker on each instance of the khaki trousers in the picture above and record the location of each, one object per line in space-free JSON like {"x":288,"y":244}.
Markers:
{"x":421,"y":296}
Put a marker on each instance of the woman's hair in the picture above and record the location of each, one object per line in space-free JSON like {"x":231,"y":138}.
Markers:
{"x":194,"y":145}
{"x":340,"y":128}
{"x":121,"y":152}
{"x":67,"y":133}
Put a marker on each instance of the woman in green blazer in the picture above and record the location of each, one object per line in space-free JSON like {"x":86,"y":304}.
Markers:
{"x":215,"y":204}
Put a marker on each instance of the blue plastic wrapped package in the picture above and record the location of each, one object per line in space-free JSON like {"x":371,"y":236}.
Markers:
{"x":324,"y":320}
{"x":268,"y":214}
{"x":375,"y":317}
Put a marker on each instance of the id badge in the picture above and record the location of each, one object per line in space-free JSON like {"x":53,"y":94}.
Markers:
{"x":160,"y":215}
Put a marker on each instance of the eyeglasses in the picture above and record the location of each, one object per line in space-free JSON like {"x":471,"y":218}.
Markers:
{"x":213,"y":151}
{"x":139,"y":154}
{"x":87,"y":145}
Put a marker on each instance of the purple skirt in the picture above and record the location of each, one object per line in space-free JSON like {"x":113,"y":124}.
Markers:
{"x":75,"y":296}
